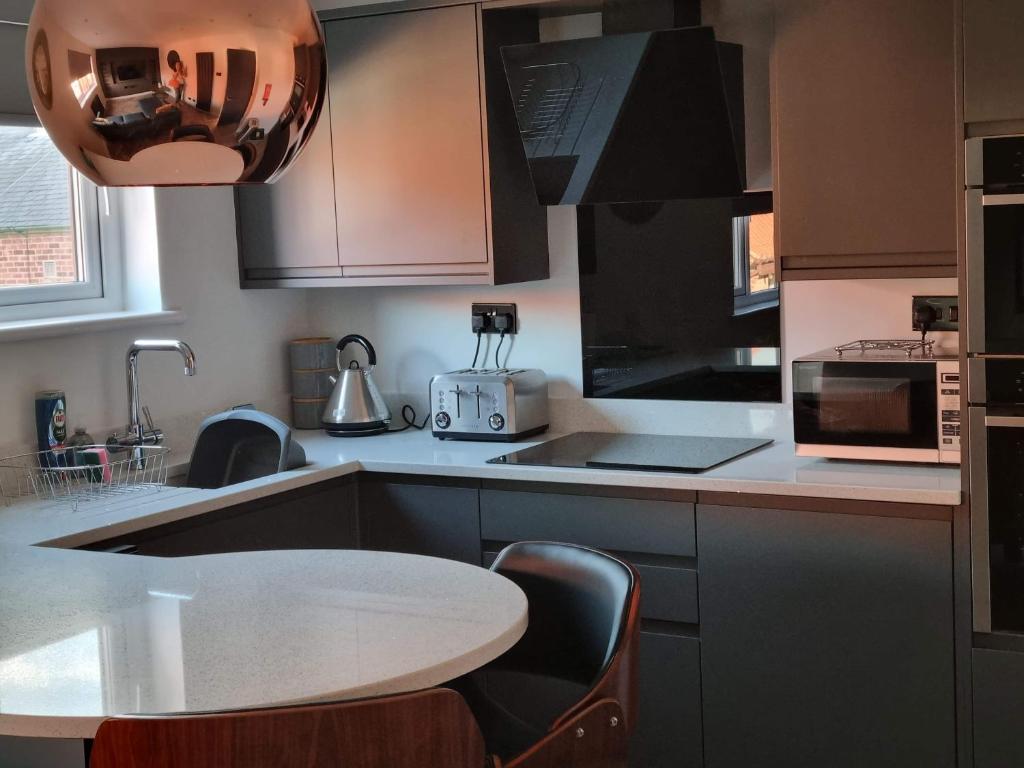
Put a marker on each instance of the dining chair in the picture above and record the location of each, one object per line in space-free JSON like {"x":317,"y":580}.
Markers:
{"x":583,"y":630}
{"x":421,"y":730}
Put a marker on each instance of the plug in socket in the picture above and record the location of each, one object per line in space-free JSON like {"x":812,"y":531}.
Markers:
{"x":942,"y":313}
{"x":495,"y":318}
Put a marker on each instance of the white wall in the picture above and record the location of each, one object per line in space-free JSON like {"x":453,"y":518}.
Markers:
{"x":817,"y":314}
{"x":419,"y":332}
{"x":238,"y":336}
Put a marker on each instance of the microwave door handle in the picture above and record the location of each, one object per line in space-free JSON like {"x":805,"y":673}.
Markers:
{"x":980,"y":561}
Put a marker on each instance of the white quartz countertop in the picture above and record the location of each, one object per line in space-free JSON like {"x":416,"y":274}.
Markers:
{"x":775,"y":469}
{"x":86,"y":635}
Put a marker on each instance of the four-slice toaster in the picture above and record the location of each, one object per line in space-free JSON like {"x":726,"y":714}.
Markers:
{"x":501,"y":405}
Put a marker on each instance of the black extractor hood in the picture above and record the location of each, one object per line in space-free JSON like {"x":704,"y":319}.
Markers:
{"x":632,"y":117}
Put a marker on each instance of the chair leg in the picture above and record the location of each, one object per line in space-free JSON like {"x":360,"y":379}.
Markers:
{"x":596,"y":738}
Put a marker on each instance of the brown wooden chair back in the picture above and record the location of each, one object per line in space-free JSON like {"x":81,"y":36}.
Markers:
{"x":584,"y":620}
{"x":584,"y":628}
{"x":422,"y":730}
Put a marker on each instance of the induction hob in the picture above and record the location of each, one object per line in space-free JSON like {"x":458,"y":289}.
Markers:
{"x":646,"y":453}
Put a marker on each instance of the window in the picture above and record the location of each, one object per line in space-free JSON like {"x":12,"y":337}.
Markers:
{"x":755,"y":267}
{"x":51,"y":232}
{"x":83,"y":79}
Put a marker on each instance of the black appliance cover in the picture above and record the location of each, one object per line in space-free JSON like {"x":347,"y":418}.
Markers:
{"x":631,"y":118}
{"x":640,"y":453}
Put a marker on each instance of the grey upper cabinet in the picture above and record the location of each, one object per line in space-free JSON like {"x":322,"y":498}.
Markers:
{"x":408,"y":141}
{"x":866,"y":137}
{"x":993,"y":61}
{"x":416,"y":174}
{"x":290,"y":225}
{"x":826,"y":639}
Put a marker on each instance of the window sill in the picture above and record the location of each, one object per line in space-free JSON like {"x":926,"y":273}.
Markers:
{"x":24,"y":330}
{"x":751,"y":307}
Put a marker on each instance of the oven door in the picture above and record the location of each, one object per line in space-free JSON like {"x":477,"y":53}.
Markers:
{"x":995,"y":273}
{"x":997,"y":518}
{"x":866,"y":410}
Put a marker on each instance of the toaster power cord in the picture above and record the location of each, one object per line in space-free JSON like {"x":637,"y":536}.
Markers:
{"x":476,"y":355}
{"x":498,"y":350}
{"x":409,"y":417}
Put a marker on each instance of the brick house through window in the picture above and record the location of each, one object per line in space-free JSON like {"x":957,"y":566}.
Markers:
{"x":37,"y":235}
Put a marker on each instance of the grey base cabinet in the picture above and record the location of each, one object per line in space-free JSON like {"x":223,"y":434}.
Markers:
{"x":313,"y":518}
{"x":826,"y":640}
{"x":668,"y":730}
{"x":433,"y":520}
{"x":998,"y":708}
{"x":22,"y":752}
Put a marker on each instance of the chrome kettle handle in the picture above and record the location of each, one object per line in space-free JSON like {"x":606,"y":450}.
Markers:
{"x":355,"y":338}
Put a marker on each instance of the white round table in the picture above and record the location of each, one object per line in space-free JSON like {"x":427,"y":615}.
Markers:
{"x":86,"y":635}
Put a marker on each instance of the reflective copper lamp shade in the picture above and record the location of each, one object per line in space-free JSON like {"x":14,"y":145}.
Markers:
{"x":177,"y":93}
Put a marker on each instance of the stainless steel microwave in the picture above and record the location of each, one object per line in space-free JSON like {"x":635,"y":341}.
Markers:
{"x":880,"y":405}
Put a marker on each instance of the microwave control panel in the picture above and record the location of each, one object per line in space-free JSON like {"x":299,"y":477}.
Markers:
{"x":948,"y":383}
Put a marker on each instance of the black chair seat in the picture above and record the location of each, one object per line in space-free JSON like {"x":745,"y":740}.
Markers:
{"x":580,"y":601}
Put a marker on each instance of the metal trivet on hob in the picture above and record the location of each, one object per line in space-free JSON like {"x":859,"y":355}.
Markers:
{"x":910,"y":346}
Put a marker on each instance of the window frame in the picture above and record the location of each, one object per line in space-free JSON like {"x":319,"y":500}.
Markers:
{"x":744,"y":300}
{"x":98,"y":246}
{"x":93,"y":79}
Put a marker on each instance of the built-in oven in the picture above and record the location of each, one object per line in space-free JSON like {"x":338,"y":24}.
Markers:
{"x":996,"y":416}
{"x":995,"y":380}
{"x":995,"y":246}
{"x":877,"y":404}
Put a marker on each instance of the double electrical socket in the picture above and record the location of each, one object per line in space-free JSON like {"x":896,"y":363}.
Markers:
{"x":495,"y":318}
{"x":936,"y":313}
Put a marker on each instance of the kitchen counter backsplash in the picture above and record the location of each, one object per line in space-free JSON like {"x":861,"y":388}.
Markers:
{"x":653,"y":417}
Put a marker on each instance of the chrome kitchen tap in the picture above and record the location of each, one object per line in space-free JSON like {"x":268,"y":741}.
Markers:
{"x":137,"y":434}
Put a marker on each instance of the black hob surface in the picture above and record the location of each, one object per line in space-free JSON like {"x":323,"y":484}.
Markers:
{"x":647,"y":453}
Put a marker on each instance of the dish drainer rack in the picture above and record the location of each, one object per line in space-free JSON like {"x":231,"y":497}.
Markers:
{"x":62,"y":476}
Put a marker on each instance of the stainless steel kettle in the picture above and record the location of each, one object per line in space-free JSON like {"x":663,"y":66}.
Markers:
{"x":356,"y":407}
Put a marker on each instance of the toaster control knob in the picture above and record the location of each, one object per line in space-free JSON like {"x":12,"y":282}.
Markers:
{"x":443,"y":420}
{"x":497,"y":422}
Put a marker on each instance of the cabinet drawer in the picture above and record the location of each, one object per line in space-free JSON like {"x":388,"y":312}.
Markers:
{"x":623,"y":525}
{"x":666,"y":594}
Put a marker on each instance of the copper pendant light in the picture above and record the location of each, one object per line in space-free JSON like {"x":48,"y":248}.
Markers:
{"x":177,"y":93}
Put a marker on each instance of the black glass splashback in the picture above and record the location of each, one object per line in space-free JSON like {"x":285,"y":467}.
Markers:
{"x":666,"y":314}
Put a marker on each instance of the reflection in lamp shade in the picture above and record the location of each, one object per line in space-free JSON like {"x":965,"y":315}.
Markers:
{"x":140,"y":94}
